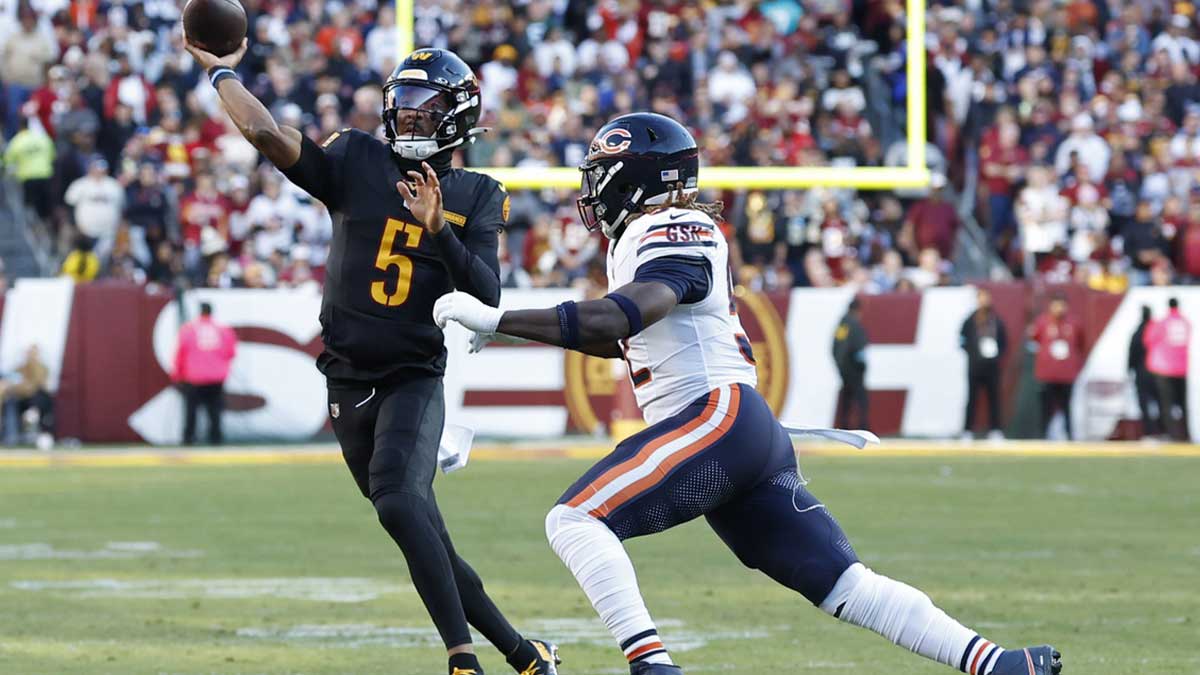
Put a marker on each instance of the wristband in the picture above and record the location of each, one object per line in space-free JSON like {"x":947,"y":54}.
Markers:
{"x":568,"y":324}
{"x":632,"y":313}
{"x":218,"y":73}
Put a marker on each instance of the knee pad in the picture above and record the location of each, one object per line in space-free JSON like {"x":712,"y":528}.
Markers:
{"x":568,"y":528}
{"x":559,"y":520}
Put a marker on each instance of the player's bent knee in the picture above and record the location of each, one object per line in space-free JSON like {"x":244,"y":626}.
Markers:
{"x":399,"y":512}
{"x":557,"y":521}
{"x":567,"y":528}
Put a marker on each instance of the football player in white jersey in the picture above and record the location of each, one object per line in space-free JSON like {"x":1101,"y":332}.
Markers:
{"x":713,"y":447}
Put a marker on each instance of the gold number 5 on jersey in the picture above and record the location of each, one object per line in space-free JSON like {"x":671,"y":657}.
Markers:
{"x":386,"y":258}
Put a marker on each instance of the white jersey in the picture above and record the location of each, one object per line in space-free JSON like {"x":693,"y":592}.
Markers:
{"x":698,"y":346}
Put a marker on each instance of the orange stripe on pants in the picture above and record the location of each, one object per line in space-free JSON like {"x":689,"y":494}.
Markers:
{"x":628,"y":465}
{"x":675,"y":459}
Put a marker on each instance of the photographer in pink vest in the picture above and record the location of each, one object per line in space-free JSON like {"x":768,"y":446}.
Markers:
{"x":1166,"y":342}
{"x":202,"y":359}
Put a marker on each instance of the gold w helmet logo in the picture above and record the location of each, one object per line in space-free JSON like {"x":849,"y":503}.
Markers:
{"x":420,"y":56}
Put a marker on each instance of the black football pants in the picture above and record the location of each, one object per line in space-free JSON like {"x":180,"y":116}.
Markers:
{"x":853,"y":393}
{"x":1172,"y":392}
{"x":1056,"y":396}
{"x":389,"y":437}
{"x":989,"y":381}
{"x":212,"y":397}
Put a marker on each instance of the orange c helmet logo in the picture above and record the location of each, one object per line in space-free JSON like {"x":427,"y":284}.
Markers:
{"x":613,"y":141}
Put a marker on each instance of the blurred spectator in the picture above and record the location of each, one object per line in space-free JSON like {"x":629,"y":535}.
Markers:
{"x":1144,"y":385}
{"x":928,"y":271}
{"x":203,"y":208}
{"x":730,"y":87}
{"x":1177,"y":42}
{"x":203,"y":357}
{"x":167,"y":266}
{"x":81,"y":264}
{"x":98,"y":199}
{"x":1143,"y":242}
{"x":1003,"y":163}
{"x":985,"y":339}
{"x":272,"y":219}
{"x":1167,"y":341}
{"x":383,"y":42}
{"x":1059,"y":341}
{"x":850,"y":356}
{"x":1042,"y":216}
{"x":1083,"y":145}
{"x":28,"y":402}
{"x":30,"y":159}
{"x":121,"y":264}
{"x":933,"y":221}
{"x":149,"y":211}
{"x":24,"y":58}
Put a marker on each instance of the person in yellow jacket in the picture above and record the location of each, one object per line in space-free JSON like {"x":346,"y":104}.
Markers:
{"x":81,"y":264}
{"x":30,"y":158}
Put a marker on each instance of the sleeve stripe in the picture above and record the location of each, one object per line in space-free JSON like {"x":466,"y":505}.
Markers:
{"x":452,"y":217}
{"x":664,"y":226}
{"x":662,"y":233}
{"x":674,"y":244}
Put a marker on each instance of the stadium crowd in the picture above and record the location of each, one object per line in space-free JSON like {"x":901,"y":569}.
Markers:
{"x":1079,"y":118}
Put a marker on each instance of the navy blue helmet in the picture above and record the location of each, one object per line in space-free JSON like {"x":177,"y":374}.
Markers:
{"x":635,"y":161}
{"x":430,"y":104}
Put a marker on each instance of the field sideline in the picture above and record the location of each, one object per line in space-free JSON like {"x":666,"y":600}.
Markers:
{"x":120,"y":561}
{"x":314,"y":453}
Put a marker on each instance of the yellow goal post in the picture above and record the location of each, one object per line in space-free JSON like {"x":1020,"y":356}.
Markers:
{"x":913,"y":175}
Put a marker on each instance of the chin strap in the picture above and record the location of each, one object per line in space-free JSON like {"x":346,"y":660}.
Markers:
{"x":422,"y":149}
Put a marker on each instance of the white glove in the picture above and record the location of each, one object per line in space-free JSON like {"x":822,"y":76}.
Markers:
{"x":466,"y":310}
{"x":481,"y":340}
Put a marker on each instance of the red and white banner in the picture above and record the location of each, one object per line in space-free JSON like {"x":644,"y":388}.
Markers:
{"x":109,"y":347}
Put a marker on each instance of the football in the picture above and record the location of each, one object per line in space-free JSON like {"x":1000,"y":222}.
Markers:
{"x":216,"y":26}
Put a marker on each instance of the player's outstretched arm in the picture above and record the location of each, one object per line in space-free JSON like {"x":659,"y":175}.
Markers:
{"x":595,"y":323}
{"x":279,"y":144}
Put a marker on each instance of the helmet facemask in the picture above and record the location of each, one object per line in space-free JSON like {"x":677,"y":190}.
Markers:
{"x":420,"y":120}
{"x":596,"y":178}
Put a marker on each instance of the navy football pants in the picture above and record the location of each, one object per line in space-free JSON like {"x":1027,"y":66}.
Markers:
{"x":727,"y":458}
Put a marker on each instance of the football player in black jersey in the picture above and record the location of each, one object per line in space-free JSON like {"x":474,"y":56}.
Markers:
{"x":396,"y":250}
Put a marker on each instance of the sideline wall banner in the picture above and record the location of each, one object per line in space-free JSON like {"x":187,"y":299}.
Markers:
{"x":110,"y":347}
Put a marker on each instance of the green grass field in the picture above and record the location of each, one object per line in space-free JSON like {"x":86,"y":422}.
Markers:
{"x":283,"y":569}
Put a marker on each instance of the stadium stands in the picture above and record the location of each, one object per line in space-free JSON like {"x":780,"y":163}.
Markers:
{"x":1069,"y":131}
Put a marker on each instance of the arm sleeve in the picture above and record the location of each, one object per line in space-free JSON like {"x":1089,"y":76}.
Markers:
{"x":1001,"y":336}
{"x":474,"y":262}
{"x":317,"y":171}
{"x":177,"y":372}
{"x":689,"y":276}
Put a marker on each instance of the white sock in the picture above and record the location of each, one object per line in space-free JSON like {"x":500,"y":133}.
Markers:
{"x":599,"y":562}
{"x":907,"y":617}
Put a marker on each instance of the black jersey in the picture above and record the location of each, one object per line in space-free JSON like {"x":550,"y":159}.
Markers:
{"x":385,"y":270}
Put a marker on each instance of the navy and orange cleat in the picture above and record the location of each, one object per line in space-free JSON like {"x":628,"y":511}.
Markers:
{"x":545,"y":663}
{"x":643,"y":668}
{"x":1044,"y":660}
